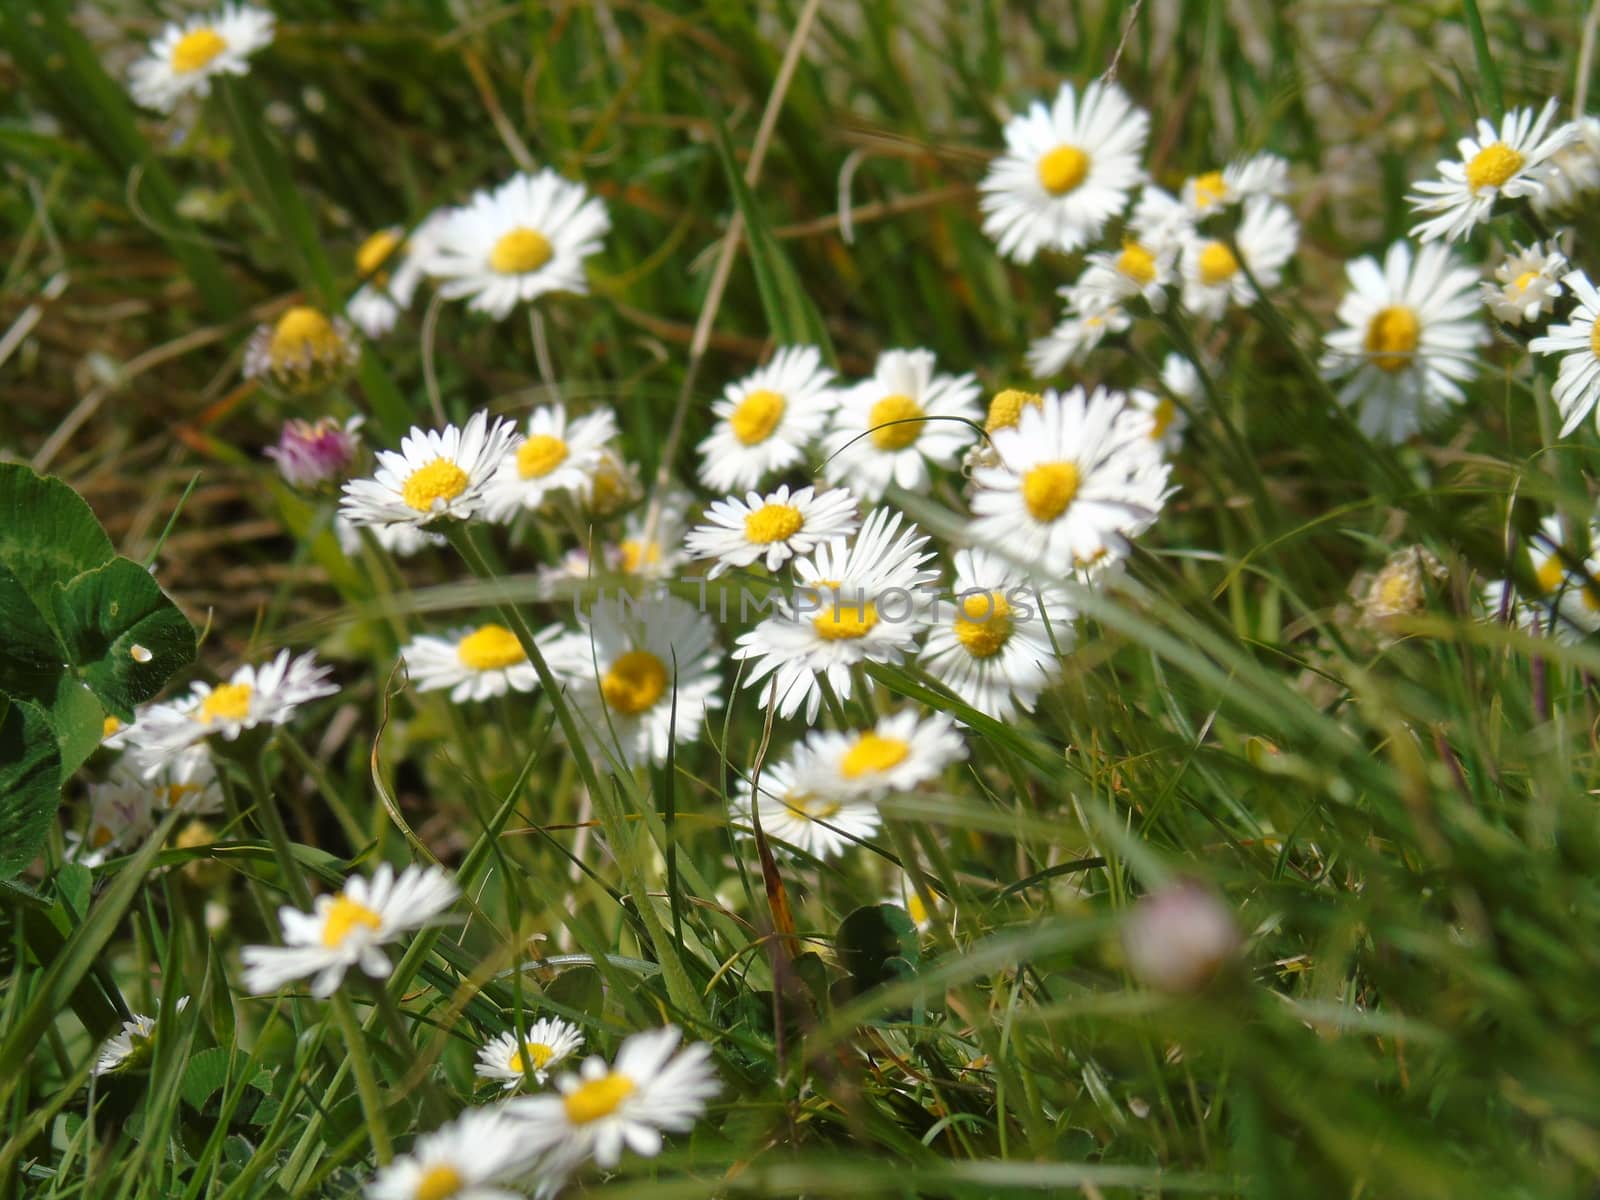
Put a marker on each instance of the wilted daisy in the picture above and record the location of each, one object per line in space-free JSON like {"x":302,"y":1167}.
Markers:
{"x":1400,"y":589}
{"x":474,"y":662}
{"x":1077,"y":333}
{"x":1514,"y":162}
{"x":1257,"y":175}
{"x":557,"y":455}
{"x":436,"y":474}
{"x":303,"y":351}
{"x":651,"y":1089}
{"x":391,"y":265}
{"x":189,"y":55}
{"x":999,"y":644}
{"x":614,"y":486}
{"x":547,"y":1043}
{"x":1066,"y":171}
{"x":1526,"y":284}
{"x":894,"y":756}
{"x":857,"y":602}
{"x":801,"y":808}
{"x":652,"y":539}
{"x":770,"y":529}
{"x":892,"y":427}
{"x":312,"y":454}
{"x":765,"y":421}
{"x":468,"y":1159}
{"x":1577,"y":170}
{"x":1578,"y":342}
{"x":1076,"y":478}
{"x":130,"y":1044}
{"x":349,"y":929}
{"x":641,"y":672}
{"x":1411,"y":331}
{"x":513,"y":244}
{"x":1212,"y":273}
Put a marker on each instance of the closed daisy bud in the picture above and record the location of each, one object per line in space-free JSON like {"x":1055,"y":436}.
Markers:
{"x":303,"y":351}
{"x":312,"y":454}
{"x":1179,"y":938}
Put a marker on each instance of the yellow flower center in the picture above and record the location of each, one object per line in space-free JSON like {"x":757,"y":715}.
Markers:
{"x":811,"y":807}
{"x":490,"y":648}
{"x":230,"y":701}
{"x":1209,"y":189}
{"x":1005,"y":410}
{"x":100,"y":837}
{"x":872,"y":754}
{"x":1137,"y":263}
{"x":1594,"y":340}
{"x":1217,"y":264}
{"x":438,"y":1182}
{"x":1049,"y":488}
{"x":1492,"y":166}
{"x":757,"y":416}
{"x":843,"y":620}
{"x":1550,"y":574}
{"x":1521,"y":282}
{"x":1399,"y":591}
{"x":1161,"y":419}
{"x":637,"y":555}
{"x":174,"y":794}
{"x":1392,"y":338}
{"x":540,"y":455}
{"x":439,"y":480}
{"x":916,"y":909}
{"x":1063,"y":169}
{"x":773,"y":523}
{"x":344,"y":915}
{"x":109,"y":726}
{"x":374,"y":252}
{"x":597,"y":1098}
{"x":302,"y":334}
{"x":197,"y":48}
{"x":983,"y":625}
{"x":520,"y":251}
{"x":634,"y":683}
{"x":538,"y":1054}
{"x":895,"y":408}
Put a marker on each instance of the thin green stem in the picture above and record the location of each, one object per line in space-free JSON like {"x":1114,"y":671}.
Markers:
{"x":1488,"y":71}
{"x":272,"y":821}
{"x":366,"y":1080}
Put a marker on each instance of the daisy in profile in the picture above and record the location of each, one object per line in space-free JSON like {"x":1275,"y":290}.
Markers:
{"x":1577,"y":170}
{"x":892,"y":427}
{"x":904,"y":894}
{"x":1212,"y":274}
{"x":435,"y":475}
{"x":1411,"y":331}
{"x":856,"y":602}
{"x":475,"y":663}
{"x":1258,"y":175}
{"x":896,"y":755}
{"x":548,"y":1043}
{"x":474,"y":1157}
{"x":1076,"y":479}
{"x":391,"y":265}
{"x":302,"y":352}
{"x":802,"y":809}
{"x":130,"y":1045}
{"x":1000,"y":643}
{"x":765,"y":421}
{"x":555,"y":456}
{"x":770,"y":529}
{"x":1078,"y":332}
{"x":402,"y":541}
{"x":527,"y":237}
{"x":652,"y":541}
{"x":1578,"y":342}
{"x":641,"y":672}
{"x":349,"y":929}
{"x":652,"y":1088}
{"x":1180,"y":381}
{"x":1567,"y":604}
{"x":188,"y":56}
{"x":1526,"y":284}
{"x":1515,"y":161}
{"x":1066,"y":171}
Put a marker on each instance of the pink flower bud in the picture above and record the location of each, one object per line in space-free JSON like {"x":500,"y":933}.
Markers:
{"x":1178,"y":938}
{"x":308,"y":455}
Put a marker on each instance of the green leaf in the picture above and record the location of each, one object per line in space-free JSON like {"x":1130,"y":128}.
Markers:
{"x":30,"y":785}
{"x":578,"y":990}
{"x":73,"y":882}
{"x":47,"y":533}
{"x":877,"y":943}
{"x":78,"y":721}
{"x":30,"y":653}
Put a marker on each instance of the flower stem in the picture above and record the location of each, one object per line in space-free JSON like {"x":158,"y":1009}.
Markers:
{"x":366,"y":1080}
{"x":272,"y":821}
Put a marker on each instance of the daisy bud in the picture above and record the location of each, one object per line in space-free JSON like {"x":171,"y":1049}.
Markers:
{"x":302,"y":352}
{"x":309,"y":455}
{"x":1179,"y":938}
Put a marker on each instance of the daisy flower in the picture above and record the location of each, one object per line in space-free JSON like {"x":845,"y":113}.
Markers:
{"x":511,"y":245}
{"x":620,"y":667}
{"x":765,"y":420}
{"x":648,"y":1091}
{"x":657,"y":553}
{"x":349,"y":929}
{"x":1577,"y":170}
{"x":402,"y":541}
{"x":391,"y":265}
{"x":1411,"y":330}
{"x":119,"y":814}
{"x":1074,"y":336}
{"x":772,"y":528}
{"x":800,"y":807}
{"x":131,"y":1043}
{"x":188,"y":56}
{"x":1525,"y":285}
{"x":1514,"y":162}
{"x":310,"y":455}
{"x":302,"y":352}
{"x":1000,"y":644}
{"x":1160,"y":220}
{"x":468,"y":1159}
{"x":1578,"y":341}
{"x":555,"y":456}
{"x":1258,"y":175}
{"x":1568,"y":602}
{"x":904,"y":895}
{"x":436,"y":474}
{"x":475,"y":663}
{"x":1066,"y":171}
{"x":186,"y":780}
{"x":857,"y":603}
{"x":1212,"y":275}
{"x":548,"y":1042}
{"x":1077,"y":477}
{"x":614,"y":486}
{"x":1137,"y":270}
{"x":894,"y":756}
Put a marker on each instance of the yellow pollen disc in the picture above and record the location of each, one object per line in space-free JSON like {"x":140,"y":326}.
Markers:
{"x":843,"y":619}
{"x":1137,"y":263}
{"x":197,"y":48}
{"x":984,"y":624}
{"x":344,"y":915}
{"x":100,"y":836}
{"x":230,"y":701}
{"x":490,"y":648}
{"x":438,"y":1182}
{"x":1217,"y":264}
{"x":634,"y":683}
{"x":872,"y":754}
{"x":439,"y":480}
{"x":302,"y":333}
{"x":538,"y":1054}
{"x":896,"y":407}
{"x":1521,"y":282}
{"x":811,"y":807}
{"x":1591,"y":595}
{"x":1550,"y":574}
{"x":773,"y":523}
{"x":1161,"y":419}
{"x":1209,"y":189}
{"x":597,"y":1098}
{"x":173,"y":794}
{"x":109,"y":726}
{"x":916,"y":909}
{"x":757,"y":416}
{"x":1049,"y":488}
{"x":1398,"y":591}
{"x":1005,"y":410}
{"x":374,"y":252}
{"x":1492,"y":166}
{"x":540,"y":455}
{"x":520,"y":251}
{"x":1392,"y":338}
{"x":1063,"y":169}
{"x":1594,"y":339}
{"x":636,"y":555}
